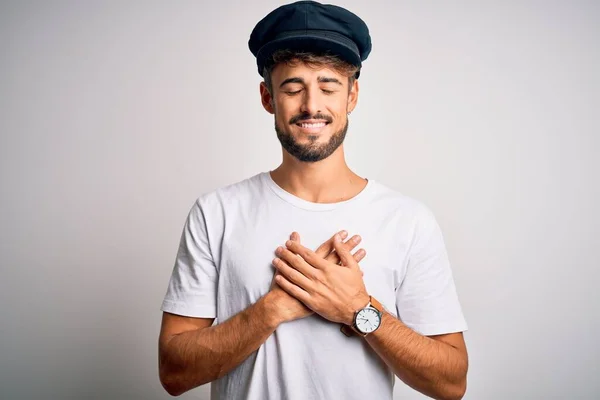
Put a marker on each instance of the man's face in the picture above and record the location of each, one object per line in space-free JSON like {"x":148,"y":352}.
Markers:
{"x":310,"y":107}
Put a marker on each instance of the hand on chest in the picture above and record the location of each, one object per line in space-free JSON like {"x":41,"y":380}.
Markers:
{"x":247,"y":256}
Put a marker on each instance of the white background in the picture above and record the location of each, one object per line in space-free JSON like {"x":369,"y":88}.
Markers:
{"x":116,"y":116}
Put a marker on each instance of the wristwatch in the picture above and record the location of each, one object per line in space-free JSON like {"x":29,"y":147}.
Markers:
{"x":366,"y":320}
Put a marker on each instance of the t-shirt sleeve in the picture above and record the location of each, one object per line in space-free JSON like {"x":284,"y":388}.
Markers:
{"x":192,"y":289}
{"x":426,"y":300}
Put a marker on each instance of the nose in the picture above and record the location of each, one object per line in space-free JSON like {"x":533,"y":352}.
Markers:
{"x":310,"y":102}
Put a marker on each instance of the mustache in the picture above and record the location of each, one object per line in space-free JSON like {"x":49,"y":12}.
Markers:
{"x":303,"y":117}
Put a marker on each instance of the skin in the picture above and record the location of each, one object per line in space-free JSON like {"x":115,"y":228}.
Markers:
{"x":302,"y":93}
{"x":192,"y":352}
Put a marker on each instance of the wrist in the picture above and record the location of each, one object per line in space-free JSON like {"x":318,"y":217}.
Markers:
{"x":359,"y":303}
{"x":271,"y":312}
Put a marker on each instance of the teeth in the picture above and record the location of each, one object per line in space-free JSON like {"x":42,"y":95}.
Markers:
{"x":318,"y":125}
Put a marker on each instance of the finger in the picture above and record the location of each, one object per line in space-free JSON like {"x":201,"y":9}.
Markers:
{"x":295,"y":236}
{"x":333,"y":258}
{"x":274,"y":276}
{"x":308,"y":257}
{"x":297,"y":262}
{"x":292,"y":274}
{"x":327,"y":247}
{"x":344,"y":254}
{"x":349,"y":244}
{"x":293,"y":290}
{"x":359,"y":255}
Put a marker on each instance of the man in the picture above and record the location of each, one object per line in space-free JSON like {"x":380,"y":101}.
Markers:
{"x":306,"y":318}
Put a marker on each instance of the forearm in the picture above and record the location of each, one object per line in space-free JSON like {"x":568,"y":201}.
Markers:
{"x":193,"y":358}
{"x":432,"y":367}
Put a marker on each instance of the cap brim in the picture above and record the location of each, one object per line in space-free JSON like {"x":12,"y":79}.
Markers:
{"x":308,"y":42}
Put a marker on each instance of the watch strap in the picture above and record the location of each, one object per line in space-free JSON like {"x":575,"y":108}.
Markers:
{"x":376,"y":304}
{"x":346,"y":330}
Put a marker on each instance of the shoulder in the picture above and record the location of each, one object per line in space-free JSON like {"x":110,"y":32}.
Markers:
{"x":230,"y":195}
{"x":391,"y":199}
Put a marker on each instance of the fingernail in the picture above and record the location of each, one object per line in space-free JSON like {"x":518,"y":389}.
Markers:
{"x":337,"y":237}
{"x":288,"y":243}
{"x":344,"y":234}
{"x":357,"y":239}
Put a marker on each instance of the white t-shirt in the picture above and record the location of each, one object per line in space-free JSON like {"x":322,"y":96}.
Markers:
{"x":223,"y":266}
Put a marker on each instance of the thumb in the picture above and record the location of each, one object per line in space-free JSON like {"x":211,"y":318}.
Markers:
{"x":344,"y":254}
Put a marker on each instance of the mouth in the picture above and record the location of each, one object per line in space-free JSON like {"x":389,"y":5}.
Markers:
{"x":312,"y":126}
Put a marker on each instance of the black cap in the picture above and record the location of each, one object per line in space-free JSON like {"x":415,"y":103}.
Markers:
{"x":311,"y":26}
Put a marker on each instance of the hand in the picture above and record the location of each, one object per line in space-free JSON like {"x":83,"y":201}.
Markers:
{"x":327,"y":249}
{"x":332,"y":291}
{"x":290,"y":308}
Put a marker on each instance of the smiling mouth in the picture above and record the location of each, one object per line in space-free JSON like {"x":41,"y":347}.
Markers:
{"x":312,"y":126}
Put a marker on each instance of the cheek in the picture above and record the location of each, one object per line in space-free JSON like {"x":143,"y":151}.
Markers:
{"x":338,"y":108}
{"x":281,"y":117}
{"x":339,"y":116}
{"x":284,"y":110}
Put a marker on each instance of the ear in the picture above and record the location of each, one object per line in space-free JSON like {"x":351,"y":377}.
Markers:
{"x":353,"y":96}
{"x":266,"y":98}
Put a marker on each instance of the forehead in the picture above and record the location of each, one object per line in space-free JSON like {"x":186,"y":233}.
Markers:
{"x":307,"y":72}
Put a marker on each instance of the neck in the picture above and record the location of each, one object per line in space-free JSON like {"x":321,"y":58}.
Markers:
{"x":326,"y":181}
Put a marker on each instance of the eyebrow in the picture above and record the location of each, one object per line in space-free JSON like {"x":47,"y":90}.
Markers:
{"x":325,"y":79}
{"x":291,"y":80}
{"x":320,"y":79}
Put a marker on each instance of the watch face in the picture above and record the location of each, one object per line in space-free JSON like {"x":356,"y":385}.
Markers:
{"x":367,"y":320}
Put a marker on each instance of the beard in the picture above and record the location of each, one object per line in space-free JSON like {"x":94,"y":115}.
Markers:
{"x":313,"y":151}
